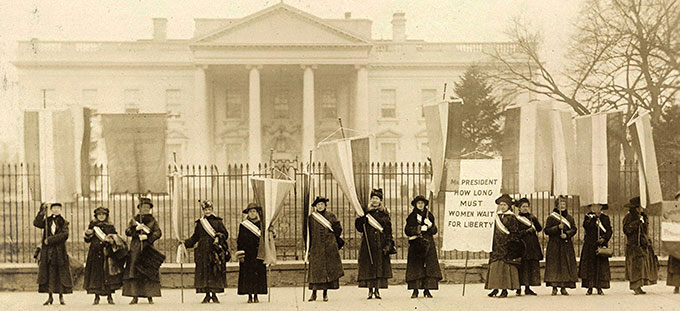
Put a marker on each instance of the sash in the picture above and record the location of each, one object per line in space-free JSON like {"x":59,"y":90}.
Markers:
{"x":526,"y":221}
{"x":323,"y":221}
{"x":500,"y":225}
{"x":144,"y":227}
{"x":207,"y":227}
{"x":561,"y":219}
{"x":421,"y":221}
{"x":599,"y":224}
{"x":252,"y":227}
{"x":99,"y":233}
{"x":374,"y":223}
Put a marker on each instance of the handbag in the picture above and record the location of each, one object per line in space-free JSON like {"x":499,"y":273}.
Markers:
{"x":603,"y":251}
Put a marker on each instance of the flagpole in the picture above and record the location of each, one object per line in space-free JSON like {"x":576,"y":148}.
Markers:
{"x":269,"y":266}
{"x":467,"y":256}
{"x":309,"y":184}
{"x":181,"y":260}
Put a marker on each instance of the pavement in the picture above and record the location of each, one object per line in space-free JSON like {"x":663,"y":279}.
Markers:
{"x":448,"y":297}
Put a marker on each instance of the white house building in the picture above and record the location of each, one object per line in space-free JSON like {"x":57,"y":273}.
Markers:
{"x":278,"y":78}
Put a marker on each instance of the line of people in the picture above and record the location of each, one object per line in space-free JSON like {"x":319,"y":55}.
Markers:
{"x":514,"y":261}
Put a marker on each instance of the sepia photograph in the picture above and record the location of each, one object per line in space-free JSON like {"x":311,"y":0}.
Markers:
{"x":340,"y":155}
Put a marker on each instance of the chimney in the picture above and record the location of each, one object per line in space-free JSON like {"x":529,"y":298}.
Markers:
{"x":160,"y":29}
{"x":348,"y":15}
{"x":399,"y":27}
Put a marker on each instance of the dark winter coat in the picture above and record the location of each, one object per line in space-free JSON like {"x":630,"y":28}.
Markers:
{"x":422,"y":261}
{"x":53,"y":253}
{"x":380,"y":243}
{"x":641,"y":262}
{"x":591,"y":266}
{"x":210,"y":275}
{"x":325,"y":264}
{"x":501,"y":248}
{"x":97,"y":277}
{"x":560,"y":259}
{"x":533,"y":250}
{"x":136,"y":244}
{"x":252,"y":273}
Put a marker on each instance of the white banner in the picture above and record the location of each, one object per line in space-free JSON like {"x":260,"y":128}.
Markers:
{"x":470,"y":210}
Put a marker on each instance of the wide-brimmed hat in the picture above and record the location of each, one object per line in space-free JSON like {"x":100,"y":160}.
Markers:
{"x":633,"y":203}
{"x":521,"y":201}
{"x":558,"y":198}
{"x":254,"y":206}
{"x":377,"y":193}
{"x":604,"y":206}
{"x":205,"y":204}
{"x":101,"y":210}
{"x":504,"y":198}
{"x":144,"y":200}
{"x":320,"y":200}
{"x":419,"y":198}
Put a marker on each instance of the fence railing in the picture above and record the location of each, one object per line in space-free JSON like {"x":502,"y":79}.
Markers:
{"x":230,"y":192}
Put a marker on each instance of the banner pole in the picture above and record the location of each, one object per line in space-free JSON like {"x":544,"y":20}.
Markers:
{"x":269,"y":286}
{"x":306,"y":255}
{"x":467,"y":256}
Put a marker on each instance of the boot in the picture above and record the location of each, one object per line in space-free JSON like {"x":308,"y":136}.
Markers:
{"x":599,"y":291}
{"x":637,"y":291}
{"x":134,"y":300}
{"x":370,"y":293}
{"x":528,"y":291}
{"x":325,"y":295}
{"x":415,"y":294}
{"x":554,"y":291}
{"x":493,"y":293}
{"x":96,"y":300}
{"x":427,"y":293}
{"x":676,"y":290}
{"x":150,"y":300}
{"x":255,"y":300}
{"x":250,"y":298}
{"x":214,"y":298}
{"x":109,"y":299}
{"x":519,"y":292}
{"x":589,"y":291}
{"x":61,"y":299}
{"x":504,"y":293}
{"x":49,"y":300}
{"x":377,"y":294}
{"x":206,"y":299}
{"x":642,"y":292}
{"x":563,"y":291}
{"x":313,"y":297}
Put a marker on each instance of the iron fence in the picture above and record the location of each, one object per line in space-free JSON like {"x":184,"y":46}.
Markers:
{"x":230,"y":192}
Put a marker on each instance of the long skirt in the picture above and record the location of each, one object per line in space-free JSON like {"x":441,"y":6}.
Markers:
{"x":54,"y":284}
{"x":373,"y":283}
{"x":328,"y":285}
{"x":424,"y":283}
{"x":502,"y":276}
{"x":673,"y":279}
{"x":647,"y":273}
{"x":673,"y":276}
{"x":530,"y":273}
{"x":141,"y":287}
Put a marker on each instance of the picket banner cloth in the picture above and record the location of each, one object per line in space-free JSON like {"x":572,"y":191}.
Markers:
{"x":269,"y":193}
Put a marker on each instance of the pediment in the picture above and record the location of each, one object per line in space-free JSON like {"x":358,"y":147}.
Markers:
{"x":388,"y":133}
{"x":280,"y":25}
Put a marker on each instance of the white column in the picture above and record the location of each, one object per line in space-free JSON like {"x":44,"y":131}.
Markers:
{"x":361,"y":111}
{"x":254,"y":119}
{"x":199,"y":140}
{"x":308,"y":124}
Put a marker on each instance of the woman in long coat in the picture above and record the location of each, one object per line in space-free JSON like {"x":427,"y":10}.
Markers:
{"x":375,"y":267}
{"x":210,"y":238}
{"x":422,"y":266}
{"x":594,"y":269}
{"x":325,"y":266}
{"x":98,"y":280}
{"x":252,"y":273}
{"x":673,"y":276}
{"x":560,"y":259}
{"x":642,"y":267}
{"x":144,"y":230}
{"x":503,"y":273}
{"x":54,"y":270}
{"x":529,"y":227}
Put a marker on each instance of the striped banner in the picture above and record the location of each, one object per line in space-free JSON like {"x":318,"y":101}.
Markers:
{"x":348,"y":161}
{"x":49,"y":142}
{"x":599,"y":162}
{"x":643,"y":143}
{"x":563,"y":153}
{"x":527,"y":149}
{"x":269,"y":193}
{"x":444,"y":125}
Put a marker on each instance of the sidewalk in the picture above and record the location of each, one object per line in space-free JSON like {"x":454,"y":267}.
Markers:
{"x":619,"y":298}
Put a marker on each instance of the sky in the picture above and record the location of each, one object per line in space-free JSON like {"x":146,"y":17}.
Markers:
{"x":109,"y":20}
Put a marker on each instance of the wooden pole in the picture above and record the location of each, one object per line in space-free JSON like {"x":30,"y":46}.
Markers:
{"x":181,"y":261}
{"x":467,"y":256}
{"x":309,"y":184}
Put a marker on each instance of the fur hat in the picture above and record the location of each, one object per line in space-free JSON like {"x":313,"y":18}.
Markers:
{"x":254,"y":206}
{"x":419,"y":198}
{"x":101,"y":210}
{"x":521,"y":201}
{"x":144,"y":200}
{"x":377,"y":193}
{"x":320,"y":200}
{"x":205,"y":204}
{"x":504,"y":198}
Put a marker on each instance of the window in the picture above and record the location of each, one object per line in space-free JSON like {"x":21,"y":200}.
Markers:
{"x":88,"y":98}
{"x":48,"y":97}
{"x":388,"y":103}
{"x":234,"y":153}
{"x":234,"y":104}
{"x":427,"y":96}
{"x":329,"y":103}
{"x":131,"y":101}
{"x":281,"y":105}
{"x":388,"y":157}
{"x":173,"y":101}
